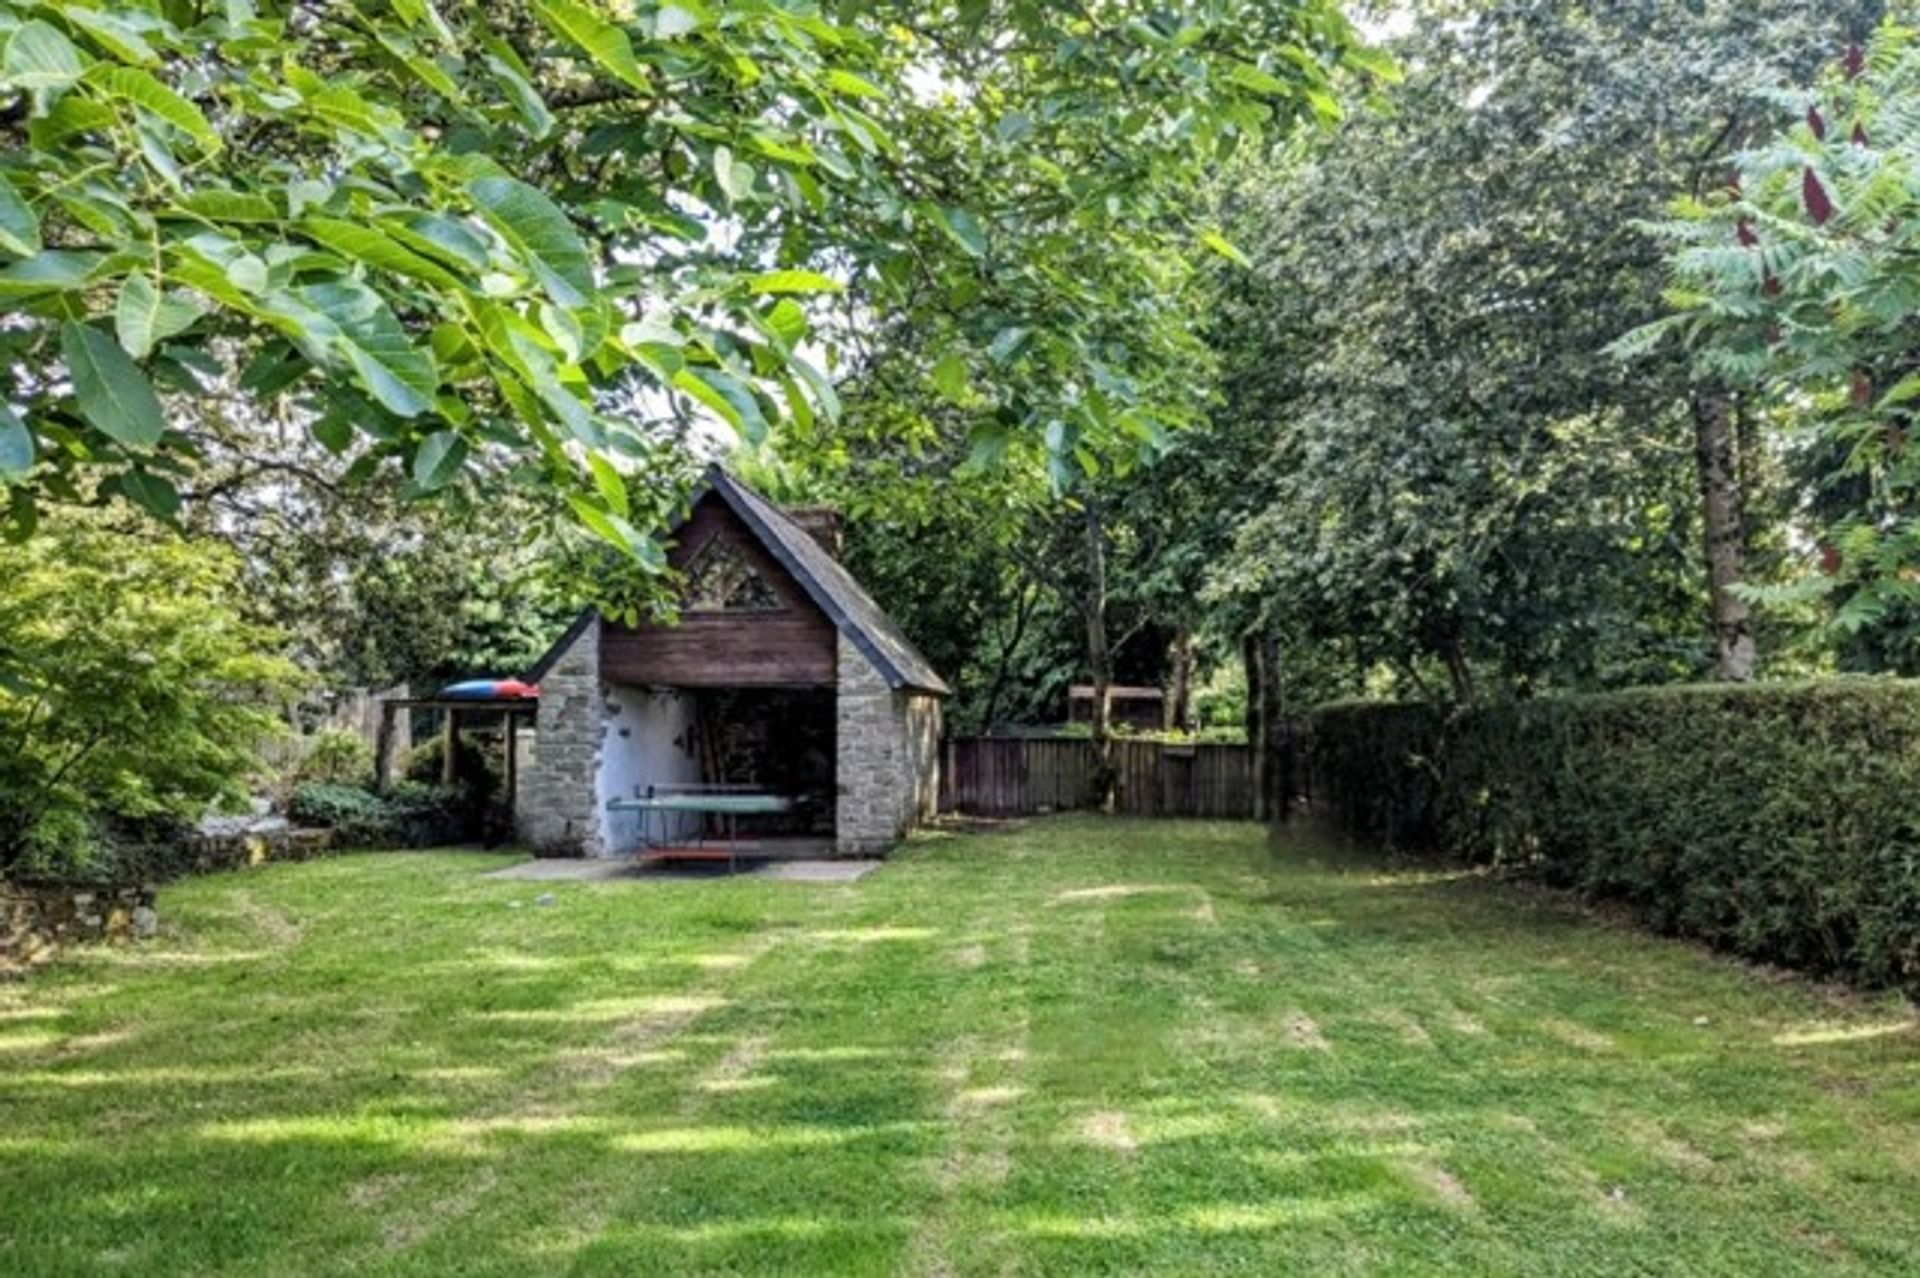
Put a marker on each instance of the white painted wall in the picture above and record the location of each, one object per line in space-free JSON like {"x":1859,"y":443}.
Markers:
{"x":647,"y":738}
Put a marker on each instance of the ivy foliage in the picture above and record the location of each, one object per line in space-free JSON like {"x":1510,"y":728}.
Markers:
{"x":442,"y":237}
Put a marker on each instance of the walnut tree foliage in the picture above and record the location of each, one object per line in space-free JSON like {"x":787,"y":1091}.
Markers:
{"x":515,"y":236}
{"x":1461,"y":485}
{"x":1795,"y":276}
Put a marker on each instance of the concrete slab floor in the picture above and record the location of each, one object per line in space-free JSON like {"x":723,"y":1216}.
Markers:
{"x":562,"y":870}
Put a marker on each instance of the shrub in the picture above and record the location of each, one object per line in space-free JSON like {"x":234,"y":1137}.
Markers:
{"x":410,"y":815}
{"x":132,"y":692}
{"x":335,"y":756}
{"x":1779,"y":821}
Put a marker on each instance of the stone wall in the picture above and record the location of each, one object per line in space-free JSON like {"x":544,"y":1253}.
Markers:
{"x":558,"y":812}
{"x":36,"y":921}
{"x":888,"y":757}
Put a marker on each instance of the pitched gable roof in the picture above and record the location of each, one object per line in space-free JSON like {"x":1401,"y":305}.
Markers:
{"x":830,"y":586}
{"x":824,"y":579}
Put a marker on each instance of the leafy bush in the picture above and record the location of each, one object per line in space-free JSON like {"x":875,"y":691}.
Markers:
{"x":335,"y":756}
{"x":132,"y":693}
{"x":409,"y":815}
{"x":475,"y":769}
{"x":1779,"y":821}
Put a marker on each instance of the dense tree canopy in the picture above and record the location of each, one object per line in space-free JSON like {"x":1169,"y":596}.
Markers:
{"x":518,"y":234}
{"x":1458,"y":479}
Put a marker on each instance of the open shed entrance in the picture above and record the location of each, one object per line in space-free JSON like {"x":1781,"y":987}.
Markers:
{"x":762,"y":741}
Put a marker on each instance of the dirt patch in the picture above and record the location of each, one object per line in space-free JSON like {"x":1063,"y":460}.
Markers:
{"x":375,"y":1190}
{"x":1303,"y":1032}
{"x":734,"y":1071}
{"x":1443,"y":1185}
{"x":968,"y":957}
{"x":404,"y":1232}
{"x":271,"y":923}
{"x":1407,"y":1027}
{"x":1120,"y":891}
{"x":1575,"y":1035}
{"x":1108,"y":1129}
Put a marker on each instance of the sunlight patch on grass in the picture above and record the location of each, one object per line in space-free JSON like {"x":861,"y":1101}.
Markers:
{"x":872,"y":935}
{"x":1816,"y":1035}
{"x":613,"y":1009}
{"x":738,"y":1140}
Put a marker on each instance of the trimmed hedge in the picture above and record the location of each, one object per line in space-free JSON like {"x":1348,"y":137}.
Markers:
{"x":409,"y":815}
{"x":1779,"y":821}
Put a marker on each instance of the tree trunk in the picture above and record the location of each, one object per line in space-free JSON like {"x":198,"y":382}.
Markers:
{"x":1181,"y":712}
{"x":1716,"y":455}
{"x":1453,"y":650}
{"x":1099,"y":660}
{"x":1022,"y":613}
{"x":1253,"y":660}
{"x":1276,"y":753}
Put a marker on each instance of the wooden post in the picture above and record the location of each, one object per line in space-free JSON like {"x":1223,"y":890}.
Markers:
{"x":513,"y":766}
{"x":449,"y":742}
{"x":383,"y":749}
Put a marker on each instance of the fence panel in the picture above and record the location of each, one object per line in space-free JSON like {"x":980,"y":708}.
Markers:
{"x":1023,"y":776}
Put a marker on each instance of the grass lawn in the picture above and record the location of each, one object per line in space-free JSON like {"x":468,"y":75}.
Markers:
{"x":1079,"y":1046}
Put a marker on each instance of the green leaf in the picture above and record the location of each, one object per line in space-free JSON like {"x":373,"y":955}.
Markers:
{"x":438,"y":459}
{"x":19,"y":227}
{"x":16,"y":445}
{"x":374,"y":248}
{"x":1903,"y":390}
{"x":727,"y":396}
{"x":852,"y":85}
{"x":613,"y":490}
{"x":1377,"y":63}
{"x":152,"y":493}
{"x":223,"y":205}
{"x":130,"y":84}
{"x":964,"y":228}
{"x":526,"y":99}
{"x":49,"y":271}
{"x":112,"y":394}
{"x":1007,"y":344}
{"x":394,"y":371}
{"x":769,"y":282}
{"x":112,"y":33}
{"x":1225,"y":248}
{"x":540,"y":233}
{"x":950,"y":377}
{"x":145,"y":316}
{"x":606,"y":44}
{"x":609,"y":527}
{"x":39,"y":57}
{"x":1249,"y":76}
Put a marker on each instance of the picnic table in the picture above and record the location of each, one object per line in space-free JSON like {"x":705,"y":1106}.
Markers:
{"x":661,"y":809}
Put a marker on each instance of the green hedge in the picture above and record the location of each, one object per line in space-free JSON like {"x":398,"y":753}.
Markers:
{"x":1779,"y":821}
{"x":409,"y":815}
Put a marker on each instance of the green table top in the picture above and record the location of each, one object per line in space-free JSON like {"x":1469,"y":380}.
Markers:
{"x":741,"y":804}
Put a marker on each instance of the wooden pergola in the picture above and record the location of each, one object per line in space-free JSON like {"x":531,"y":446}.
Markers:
{"x":511,"y":709}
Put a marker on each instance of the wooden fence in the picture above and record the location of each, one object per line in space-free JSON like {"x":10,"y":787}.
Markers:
{"x":1022,"y":776}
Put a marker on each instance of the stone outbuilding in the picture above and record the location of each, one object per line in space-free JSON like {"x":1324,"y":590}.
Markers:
{"x":781,"y":674}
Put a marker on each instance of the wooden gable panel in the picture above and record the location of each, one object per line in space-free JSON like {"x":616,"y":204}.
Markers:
{"x":793,"y":646}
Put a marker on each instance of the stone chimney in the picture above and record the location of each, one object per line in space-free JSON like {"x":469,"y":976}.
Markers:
{"x":822,"y":523}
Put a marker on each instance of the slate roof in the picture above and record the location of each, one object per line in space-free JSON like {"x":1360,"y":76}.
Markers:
{"x":830,"y":586}
{"x":825,"y":580}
